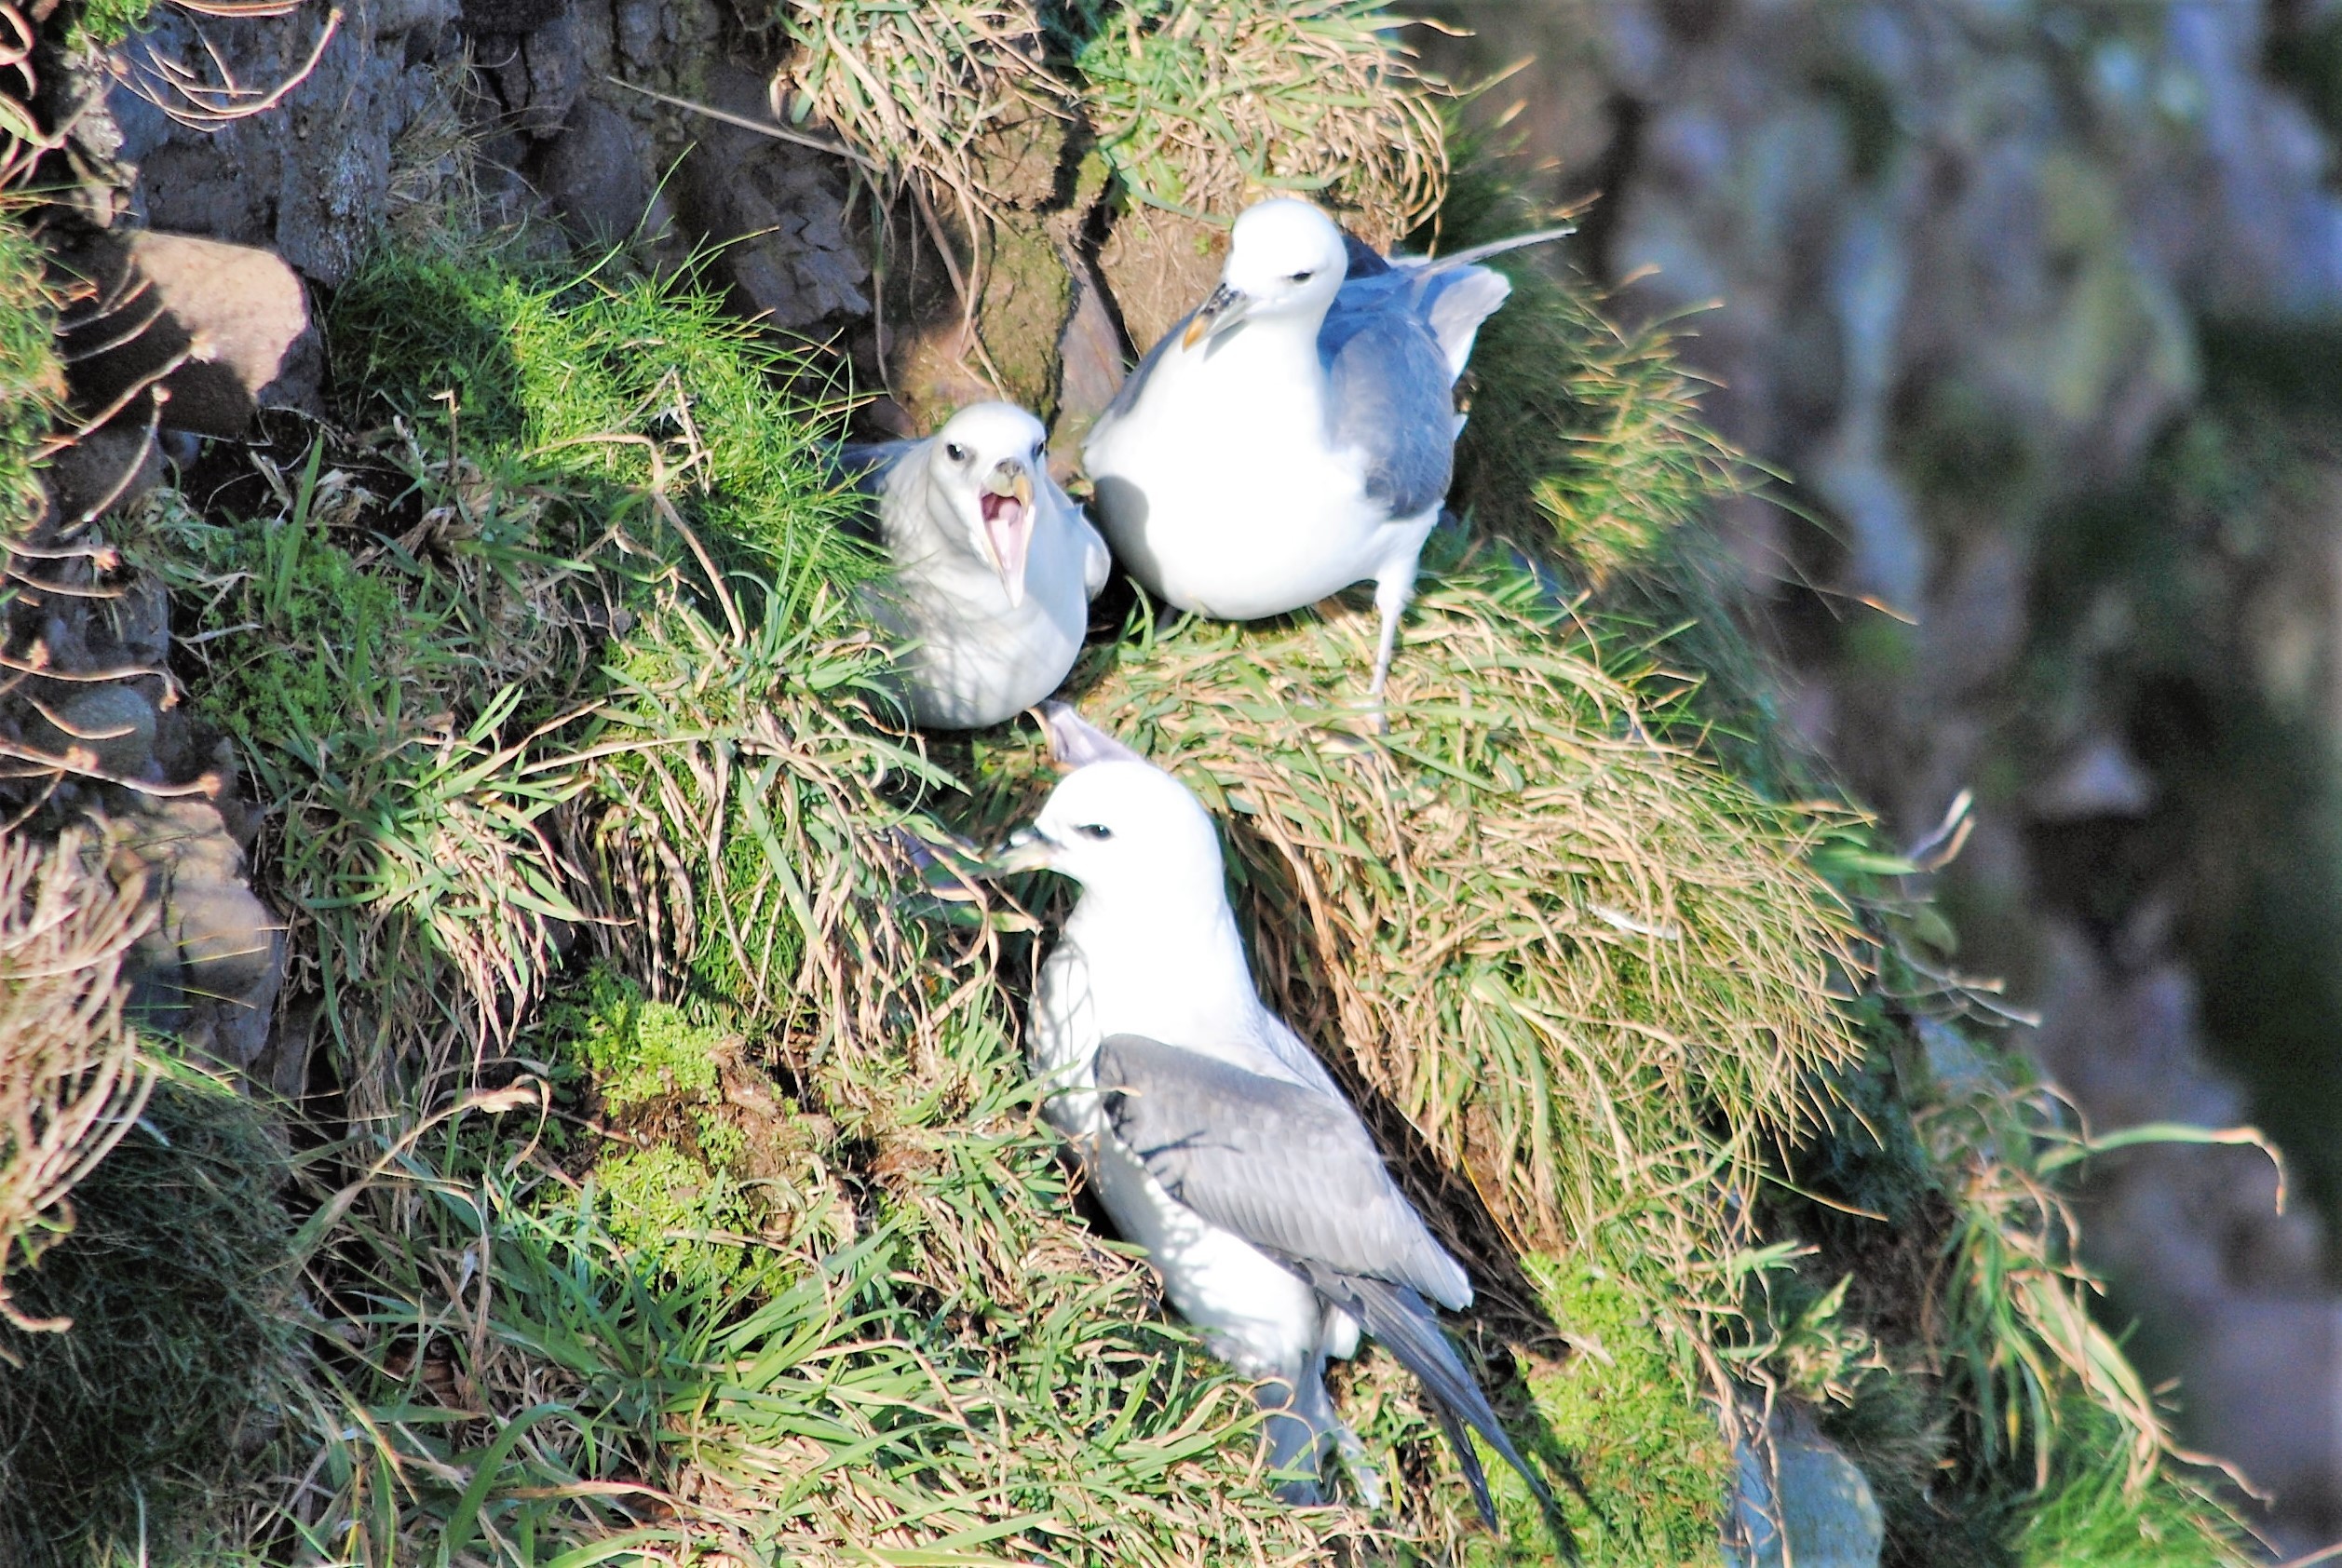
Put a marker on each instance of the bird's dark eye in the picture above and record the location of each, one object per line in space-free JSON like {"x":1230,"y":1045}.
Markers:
{"x":1097,"y":831}
{"x":956,"y":451}
{"x":1303,"y":277}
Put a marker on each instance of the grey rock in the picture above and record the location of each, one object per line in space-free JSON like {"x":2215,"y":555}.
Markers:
{"x":106,"y":471}
{"x":309,"y":179}
{"x":2100,"y":780}
{"x":536,"y":75}
{"x":509,"y":17}
{"x":115,"y":722}
{"x":597,"y":176}
{"x":1810,"y":1506}
{"x":210,"y":969}
{"x":222,"y":328}
{"x":1090,"y":352}
{"x":775,"y":212}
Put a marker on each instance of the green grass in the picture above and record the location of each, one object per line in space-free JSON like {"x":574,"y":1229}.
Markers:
{"x":177,"y":1282}
{"x":105,"y":24}
{"x":683,"y":1190}
{"x":1201,"y":109}
{"x":32,"y":383}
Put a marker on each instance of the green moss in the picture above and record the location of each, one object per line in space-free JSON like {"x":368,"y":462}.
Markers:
{"x":107,"y":22}
{"x":671,"y":1211}
{"x":635,"y":1050}
{"x":1652,"y":1466}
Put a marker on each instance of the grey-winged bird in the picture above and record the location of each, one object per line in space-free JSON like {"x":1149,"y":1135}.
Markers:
{"x":1295,"y":433}
{"x":1212,"y":1134}
{"x":994,"y":566}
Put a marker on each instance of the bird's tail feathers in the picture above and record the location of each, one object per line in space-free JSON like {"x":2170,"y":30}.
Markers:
{"x":1496,"y":248}
{"x":1398,"y":1316}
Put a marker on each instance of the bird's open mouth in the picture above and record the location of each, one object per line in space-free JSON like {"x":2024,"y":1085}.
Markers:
{"x":1002,"y":512}
{"x":1006,"y":504}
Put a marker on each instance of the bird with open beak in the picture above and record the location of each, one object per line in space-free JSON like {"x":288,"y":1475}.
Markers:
{"x":994,"y":569}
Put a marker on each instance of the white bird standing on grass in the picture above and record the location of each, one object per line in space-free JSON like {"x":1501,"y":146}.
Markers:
{"x":1212,"y":1134}
{"x":1295,"y":433}
{"x":994,"y":566}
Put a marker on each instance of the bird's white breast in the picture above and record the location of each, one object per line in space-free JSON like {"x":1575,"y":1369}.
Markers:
{"x":1218,"y":488}
{"x":979,"y":658}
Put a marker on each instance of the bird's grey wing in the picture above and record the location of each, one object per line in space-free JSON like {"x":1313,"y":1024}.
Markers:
{"x":1097,"y":560}
{"x":1287,"y":1168}
{"x":1126,"y":396}
{"x":1454,"y":295}
{"x":1390,"y":394}
{"x":870,"y":463}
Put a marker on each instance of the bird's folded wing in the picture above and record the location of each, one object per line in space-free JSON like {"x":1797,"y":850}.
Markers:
{"x":867,"y":464}
{"x":1389,"y":395}
{"x":1126,"y":396}
{"x":1097,"y":560}
{"x":1289,"y":1170}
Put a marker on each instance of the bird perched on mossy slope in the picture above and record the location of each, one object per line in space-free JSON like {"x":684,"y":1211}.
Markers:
{"x":994,"y":566}
{"x":1212,"y":1134}
{"x":1295,"y":433}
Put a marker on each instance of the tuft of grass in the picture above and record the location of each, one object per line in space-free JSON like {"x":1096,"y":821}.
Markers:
{"x":32,"y":381}
{"x":1199,"y":108}
{"x":916,"y":88}
{"x":103,"y":23}
{"x":71,"y":1080}
{"x":2093,"y":1515}
{"x":177,"y":1283}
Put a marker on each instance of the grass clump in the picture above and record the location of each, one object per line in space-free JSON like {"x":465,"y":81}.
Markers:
{"x":916,"y":88}
{"x":1202,"y":108}
{"x":32,"y":381}
{"x":2094,"y":1515}
{"x":70,"y":1080}
{"x":177,"y":1284}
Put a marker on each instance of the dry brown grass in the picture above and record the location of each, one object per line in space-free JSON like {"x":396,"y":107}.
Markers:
{"x":1204,"y":107}
{"x":915,"y":89}
{"x":71,"y":1083}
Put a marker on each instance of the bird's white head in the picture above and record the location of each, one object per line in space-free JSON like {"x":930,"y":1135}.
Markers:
{"x":1286,"y":259}
{"x":983,"y":469}
{"x":1118,"y":825}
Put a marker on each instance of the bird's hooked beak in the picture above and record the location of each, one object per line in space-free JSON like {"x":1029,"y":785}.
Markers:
{"x":1006,"y":503}
{"x":1224,"y":310}
{"x":1028,"y":849}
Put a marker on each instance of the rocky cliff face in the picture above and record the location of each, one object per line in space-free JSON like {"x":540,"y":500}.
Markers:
{"x":1965,"y":272}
